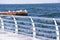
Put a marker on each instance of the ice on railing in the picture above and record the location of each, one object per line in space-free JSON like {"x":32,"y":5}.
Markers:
{"x":44,"y":27}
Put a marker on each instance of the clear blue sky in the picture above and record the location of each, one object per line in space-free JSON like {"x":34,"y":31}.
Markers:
{"x":27,"y":1}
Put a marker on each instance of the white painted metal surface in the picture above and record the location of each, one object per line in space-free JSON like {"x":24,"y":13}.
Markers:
{"x":34,"y":30}
{"x":2,"y":23}
{"x":31,"y":30}
{"x":16,"y":30}
{"x":57,"y":30}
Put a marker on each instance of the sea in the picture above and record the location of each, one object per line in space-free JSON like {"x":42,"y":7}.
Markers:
{"x":51,"y":10}
{"x":40,"y":10}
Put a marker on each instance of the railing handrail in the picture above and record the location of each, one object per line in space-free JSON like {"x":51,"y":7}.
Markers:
{"x":32,"y":17}
{"x":32,"y":22}
{"x":2,"y":23}
{"x":57,"y":32}
{"x":16,"y":30}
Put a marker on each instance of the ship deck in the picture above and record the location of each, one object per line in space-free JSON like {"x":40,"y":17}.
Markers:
{"x":12,"y":36}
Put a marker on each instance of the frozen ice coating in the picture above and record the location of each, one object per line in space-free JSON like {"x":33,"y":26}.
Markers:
{"x":27,"y":1}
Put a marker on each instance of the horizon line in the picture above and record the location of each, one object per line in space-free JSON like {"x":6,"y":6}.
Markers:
{"x":27,"y":3}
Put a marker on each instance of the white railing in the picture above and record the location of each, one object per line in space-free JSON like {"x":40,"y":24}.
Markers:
{"x":2,"y":23}
{"x":16,"y":30}
{"x":57,"y":30}
{"x":27,"y":26}
{"x":34,"y":30}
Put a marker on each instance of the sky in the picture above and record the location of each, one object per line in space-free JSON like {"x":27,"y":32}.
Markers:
{"x":27,"y":1}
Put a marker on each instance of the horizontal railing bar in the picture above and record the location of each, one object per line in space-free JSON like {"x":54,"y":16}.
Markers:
{"x":31,"y":16}
{"x":17,"y":21}
{"x":25,"y":33}
{"x":9,"y":27}
{"x":47,"y":33}
{"x":57,"y":18}
{"x":35,"y":17}
{"x":36,"y":27}
{"x":43,"y":38}
{"x":24,"y":21}
{"x":8,"y":23}
{"x":8,"y":20}
{"x":13,"y":28}
{"x":10,"y":30}
{"x":31,"y":22}
{"x":24,"y":30}
{"x":25,"y":25}
{"x":45,"y":29}
{"x":45,"y":24}
{"x":16,"y":24}
{"x":35,"y":23}
{"x":16,"y":16}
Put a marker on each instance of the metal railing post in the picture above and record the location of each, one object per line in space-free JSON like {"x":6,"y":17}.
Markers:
{"x":57,"y":30}
{"x":34,"y":30}
{"x":2,"y":23}
{"x":16,"y":29}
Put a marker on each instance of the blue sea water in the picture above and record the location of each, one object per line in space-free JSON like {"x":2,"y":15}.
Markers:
{"x":37,"y":10}
{"x":43,"y":10}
